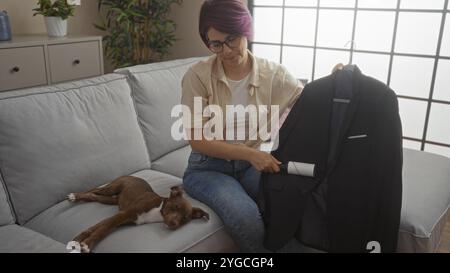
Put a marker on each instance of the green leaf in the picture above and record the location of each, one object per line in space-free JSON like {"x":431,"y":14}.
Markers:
{"x":60,"y":8}
{"x":125,"y":21}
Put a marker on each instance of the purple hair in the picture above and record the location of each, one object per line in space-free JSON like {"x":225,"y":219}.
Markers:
{"x":227,"y":16}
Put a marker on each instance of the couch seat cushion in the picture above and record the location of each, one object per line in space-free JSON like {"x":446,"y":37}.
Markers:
{"x":65,"y":220}
{"x":426,"y":200}
{"x":6,"y":214}
{"x":17,"y":239}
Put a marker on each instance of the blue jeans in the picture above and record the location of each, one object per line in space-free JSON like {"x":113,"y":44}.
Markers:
{"x":230,"y":188}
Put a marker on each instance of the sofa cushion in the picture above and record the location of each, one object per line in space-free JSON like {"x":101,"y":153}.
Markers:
{"x":65,"y":220}
{"x":17,"y":239}
{"x":174,"y":163}
{"x":156,"y":90}
{"x":64,"y":138}
{"x":426,"y":200}
{"x":6,"y":215}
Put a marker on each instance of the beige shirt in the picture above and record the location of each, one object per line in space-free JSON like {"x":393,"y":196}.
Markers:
{"x":270,"y":84}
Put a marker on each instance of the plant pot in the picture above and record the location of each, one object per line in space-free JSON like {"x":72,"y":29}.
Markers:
{"x":56,"y":27}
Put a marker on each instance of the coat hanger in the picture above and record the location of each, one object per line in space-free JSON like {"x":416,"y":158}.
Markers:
{"x":340,"y":66}
{"x":337,"y":67}
{"x":348,"y":67}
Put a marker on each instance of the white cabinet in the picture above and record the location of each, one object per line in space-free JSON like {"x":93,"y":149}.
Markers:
{"x":29,"y":61}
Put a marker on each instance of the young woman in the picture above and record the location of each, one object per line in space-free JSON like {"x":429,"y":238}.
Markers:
{"x":222,"y":173}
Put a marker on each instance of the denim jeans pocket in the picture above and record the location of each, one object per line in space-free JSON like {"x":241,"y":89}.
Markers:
{"x":197,"y":159}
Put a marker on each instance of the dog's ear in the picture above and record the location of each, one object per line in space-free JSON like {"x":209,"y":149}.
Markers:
{"x":176,"y":191}
{"x":198,"y":213}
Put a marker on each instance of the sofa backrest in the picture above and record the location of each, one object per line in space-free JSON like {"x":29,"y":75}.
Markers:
{"x":6,"y":216}
{"x":67,"y":138}
{"x":156,"y":89}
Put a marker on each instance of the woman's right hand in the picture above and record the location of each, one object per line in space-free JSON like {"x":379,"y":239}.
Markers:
{"x":263,"y":161}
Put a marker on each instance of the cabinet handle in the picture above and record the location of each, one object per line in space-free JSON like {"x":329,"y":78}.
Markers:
{"x":76,"y":62}
{"x":15,"y":69}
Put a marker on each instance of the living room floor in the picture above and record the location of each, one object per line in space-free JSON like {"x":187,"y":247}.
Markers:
{"x":444,"y":247}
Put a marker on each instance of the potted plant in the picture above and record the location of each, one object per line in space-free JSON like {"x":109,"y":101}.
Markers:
{"x":55,"y":15}
{"x":138,"y":31}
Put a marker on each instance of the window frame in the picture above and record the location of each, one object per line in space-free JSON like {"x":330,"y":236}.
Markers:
{"x":445,"y":12}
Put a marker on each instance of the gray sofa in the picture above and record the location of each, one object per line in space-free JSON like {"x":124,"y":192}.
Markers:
{"x":74,"y":136}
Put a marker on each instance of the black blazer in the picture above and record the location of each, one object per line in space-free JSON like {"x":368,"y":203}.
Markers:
{"x":355,"y":196}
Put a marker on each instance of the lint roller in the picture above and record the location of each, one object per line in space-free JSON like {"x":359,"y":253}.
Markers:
{"x":298,"y":168}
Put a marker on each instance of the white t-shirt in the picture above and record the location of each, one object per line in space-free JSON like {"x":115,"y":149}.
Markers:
{"x":239,"y":91}
{"x":239,"y":96}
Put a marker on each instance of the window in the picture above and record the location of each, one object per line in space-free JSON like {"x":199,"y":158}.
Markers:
{"x":335,"y":28}
{"x":374,"y":30}
{"x":420,"y":4}
{"x":377,"y":4}
{"x":303,"y":35}
{"x":403,"y":43}
{"x":326,"y":59}
{"x":411,"y":76}
{"x":416,"y":28}
{"x":375,"y":65}
{"x":441,"y":86}
{"x":306,"y":3}
{"x":302,"y":69}
{"x":269,"y":22}
{"x":445,"y":47}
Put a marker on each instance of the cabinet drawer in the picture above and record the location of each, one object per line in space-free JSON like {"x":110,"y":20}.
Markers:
{"x":22,"y":67}
{"x":74,"y":61}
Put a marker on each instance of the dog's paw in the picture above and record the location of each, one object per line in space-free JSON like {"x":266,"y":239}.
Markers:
{"x":74,"y":247}
{"x":85,"y":248}
{"x":71,"y":197}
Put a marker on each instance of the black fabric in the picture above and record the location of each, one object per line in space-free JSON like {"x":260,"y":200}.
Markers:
{"x":355,"y":196}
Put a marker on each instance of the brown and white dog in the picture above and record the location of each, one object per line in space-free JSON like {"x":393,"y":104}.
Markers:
{"x":138,"y":204}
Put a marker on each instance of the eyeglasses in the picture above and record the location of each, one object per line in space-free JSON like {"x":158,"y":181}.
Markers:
{"x":232,"y":41}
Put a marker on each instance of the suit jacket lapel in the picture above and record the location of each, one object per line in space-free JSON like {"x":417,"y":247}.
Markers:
{"x":315,"y":105}
{"x":323,"y":100}
{"x":349,"y":116}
